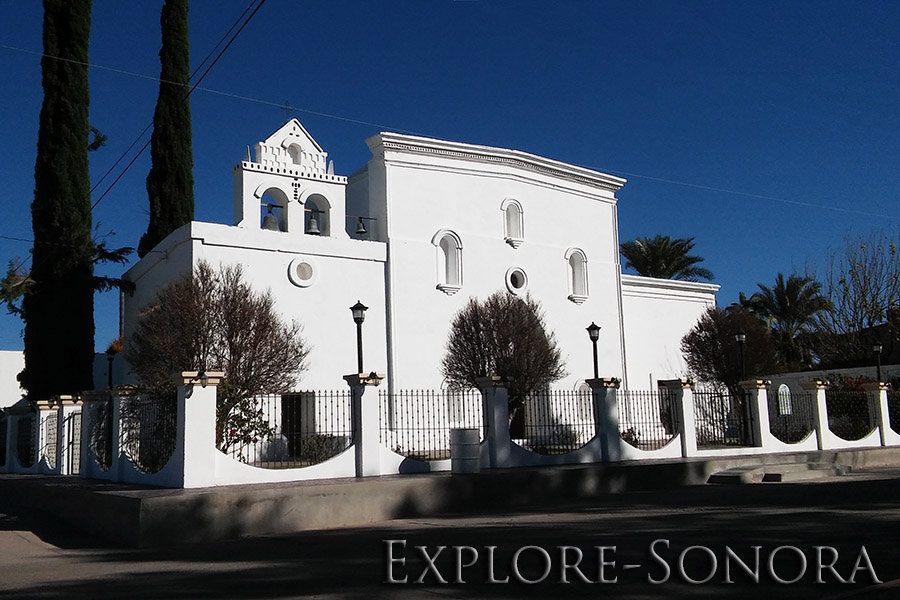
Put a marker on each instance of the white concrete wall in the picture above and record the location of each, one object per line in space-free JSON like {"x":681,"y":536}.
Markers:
{"x":11,"y":364}
{"x":345,"y":271}
{"x":657,"y":314}
{"x":432,"y":185}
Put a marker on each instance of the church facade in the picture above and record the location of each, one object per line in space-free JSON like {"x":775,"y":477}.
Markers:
{"x":425,"y":225}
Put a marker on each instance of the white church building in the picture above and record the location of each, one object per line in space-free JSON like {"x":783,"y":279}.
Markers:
{"x":425,"y":225}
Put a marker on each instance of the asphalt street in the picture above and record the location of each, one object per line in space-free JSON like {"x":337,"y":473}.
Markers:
{"x":747,"y":541}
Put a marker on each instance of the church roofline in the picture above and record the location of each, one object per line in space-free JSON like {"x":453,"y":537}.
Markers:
{"x":411,"y":144}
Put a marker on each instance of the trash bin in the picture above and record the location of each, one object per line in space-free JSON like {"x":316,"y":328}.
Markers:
{"x":464,"y":451}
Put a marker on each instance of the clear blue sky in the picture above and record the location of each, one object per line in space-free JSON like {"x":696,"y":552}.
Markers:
{"x":765,"y":130}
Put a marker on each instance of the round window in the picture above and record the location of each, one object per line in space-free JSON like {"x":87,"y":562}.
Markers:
{"x":516,"y":280}
{"x":301,"y":272}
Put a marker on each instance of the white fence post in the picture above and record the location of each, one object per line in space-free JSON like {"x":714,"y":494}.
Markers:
{"x":606,"y":417}
{"x":195,"y":443}
{"x":364,"y":419}
{"x":683,"y":403}
{"x":757,"y":409}
{"x":880,"y":413}
{"x":822,"y":430}
{"x":42,"y":437}
{"x":495,"y":403}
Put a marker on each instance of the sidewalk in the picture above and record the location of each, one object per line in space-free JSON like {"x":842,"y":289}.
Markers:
{"x":848,"y":513}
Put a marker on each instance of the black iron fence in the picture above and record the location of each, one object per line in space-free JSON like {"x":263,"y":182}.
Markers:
{"x":99,"y":424}
{"x":73,"y":443}
{"x":3,"y":426}
{"x":849,"y":415}
{"x":147,"y":431}
{"x":417,"y":423}
{"x":50,"y":435}
{"x":25,"y":440}
{"x":721,"y":419}
{"x":792,"y":415}
{"x":893,"y":397}
{"x":646,"y":418}
{"x":557,"y":421}
{"x":281,"y":431}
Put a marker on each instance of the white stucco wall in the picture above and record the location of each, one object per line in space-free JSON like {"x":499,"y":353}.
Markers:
{"x":11,"y":364}
{"x":431,"y":185}
{"x":657,"y":314}
{"x":345,"y":271}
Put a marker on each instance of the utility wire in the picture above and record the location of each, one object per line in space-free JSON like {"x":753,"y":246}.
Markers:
{"x":205,"y":73}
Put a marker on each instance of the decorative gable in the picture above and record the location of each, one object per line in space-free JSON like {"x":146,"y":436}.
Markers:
{"x":292,"y":147}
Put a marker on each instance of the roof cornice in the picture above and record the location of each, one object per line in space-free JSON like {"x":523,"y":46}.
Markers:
{"x":385,"y":143}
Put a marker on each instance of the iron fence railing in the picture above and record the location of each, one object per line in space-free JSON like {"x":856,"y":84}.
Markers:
{"x":893,"y":397}
{"x":99,"y":426}
{"x":849,"y":416}
{"x":557,"y":421}
{"x":25,"y":440}
{"x":73,"y":443}
{"x":792,"y":415}
{"x":147,"y":431}
{"x":646,"y":418}
{"x":50,"y":435}
{"x":417,"y":423}
{"x":3,"y":426}
{"x":279,"y":431}
{"x":721,"y":419}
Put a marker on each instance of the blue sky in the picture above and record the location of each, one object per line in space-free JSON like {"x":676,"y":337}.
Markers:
{"x":765,"y":130}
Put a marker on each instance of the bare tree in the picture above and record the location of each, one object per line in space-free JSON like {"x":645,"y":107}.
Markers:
{"x":213,"y":320}
{"x":862,"y":281}
{"x":504,"y":335}
{"x":713,"y":354}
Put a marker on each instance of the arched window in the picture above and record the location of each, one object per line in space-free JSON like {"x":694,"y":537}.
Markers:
{"x":784,"y":400}
{"x":449,"y":261}
{"x":317,"y":218}
{"x":513,"y":222}
{"x":578,"y":280}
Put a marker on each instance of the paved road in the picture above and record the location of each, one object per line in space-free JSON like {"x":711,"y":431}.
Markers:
{"x":712,"y":527}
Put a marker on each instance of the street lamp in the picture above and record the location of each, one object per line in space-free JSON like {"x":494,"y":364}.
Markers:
{"x":877,"y":350}
{"x":594,"y":333}
{"x":110,"y":357}
{"x":741,"y":338}
{"x":359,"y":315}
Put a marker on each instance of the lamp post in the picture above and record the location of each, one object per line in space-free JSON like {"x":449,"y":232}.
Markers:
{"x":359,"y":315}
{"x":877,"y":350}
{"x":594,"y":333}
{"x":741,"y":338}
{"x":110,"y":357}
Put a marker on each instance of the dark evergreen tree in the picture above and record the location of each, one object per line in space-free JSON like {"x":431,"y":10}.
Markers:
{"x":170,"y":184}
{"x":59,"y":308}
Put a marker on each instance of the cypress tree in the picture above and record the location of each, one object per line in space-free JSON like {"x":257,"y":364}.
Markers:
{"x":59,"y":308}
{"x":170,"y":184}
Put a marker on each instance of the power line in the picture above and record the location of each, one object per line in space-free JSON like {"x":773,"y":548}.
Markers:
{"x":205,"y":73}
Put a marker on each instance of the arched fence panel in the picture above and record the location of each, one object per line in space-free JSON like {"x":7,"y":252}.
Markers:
{"x":99,"y":426}
{"x":646,"y":418}
{"x":3,"y":426}
{"x":279,"y":431}
{"x":147,"y":430}
{"x":792,"y":415}
{"x":417,"y":423}
{"x":849,"y":414}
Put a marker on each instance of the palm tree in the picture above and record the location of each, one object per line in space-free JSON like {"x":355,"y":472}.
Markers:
{"x":790,"y":308}
{"x":664,"y":258}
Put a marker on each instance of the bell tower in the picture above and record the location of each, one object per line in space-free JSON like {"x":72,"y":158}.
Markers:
{"x":289,"y":186}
